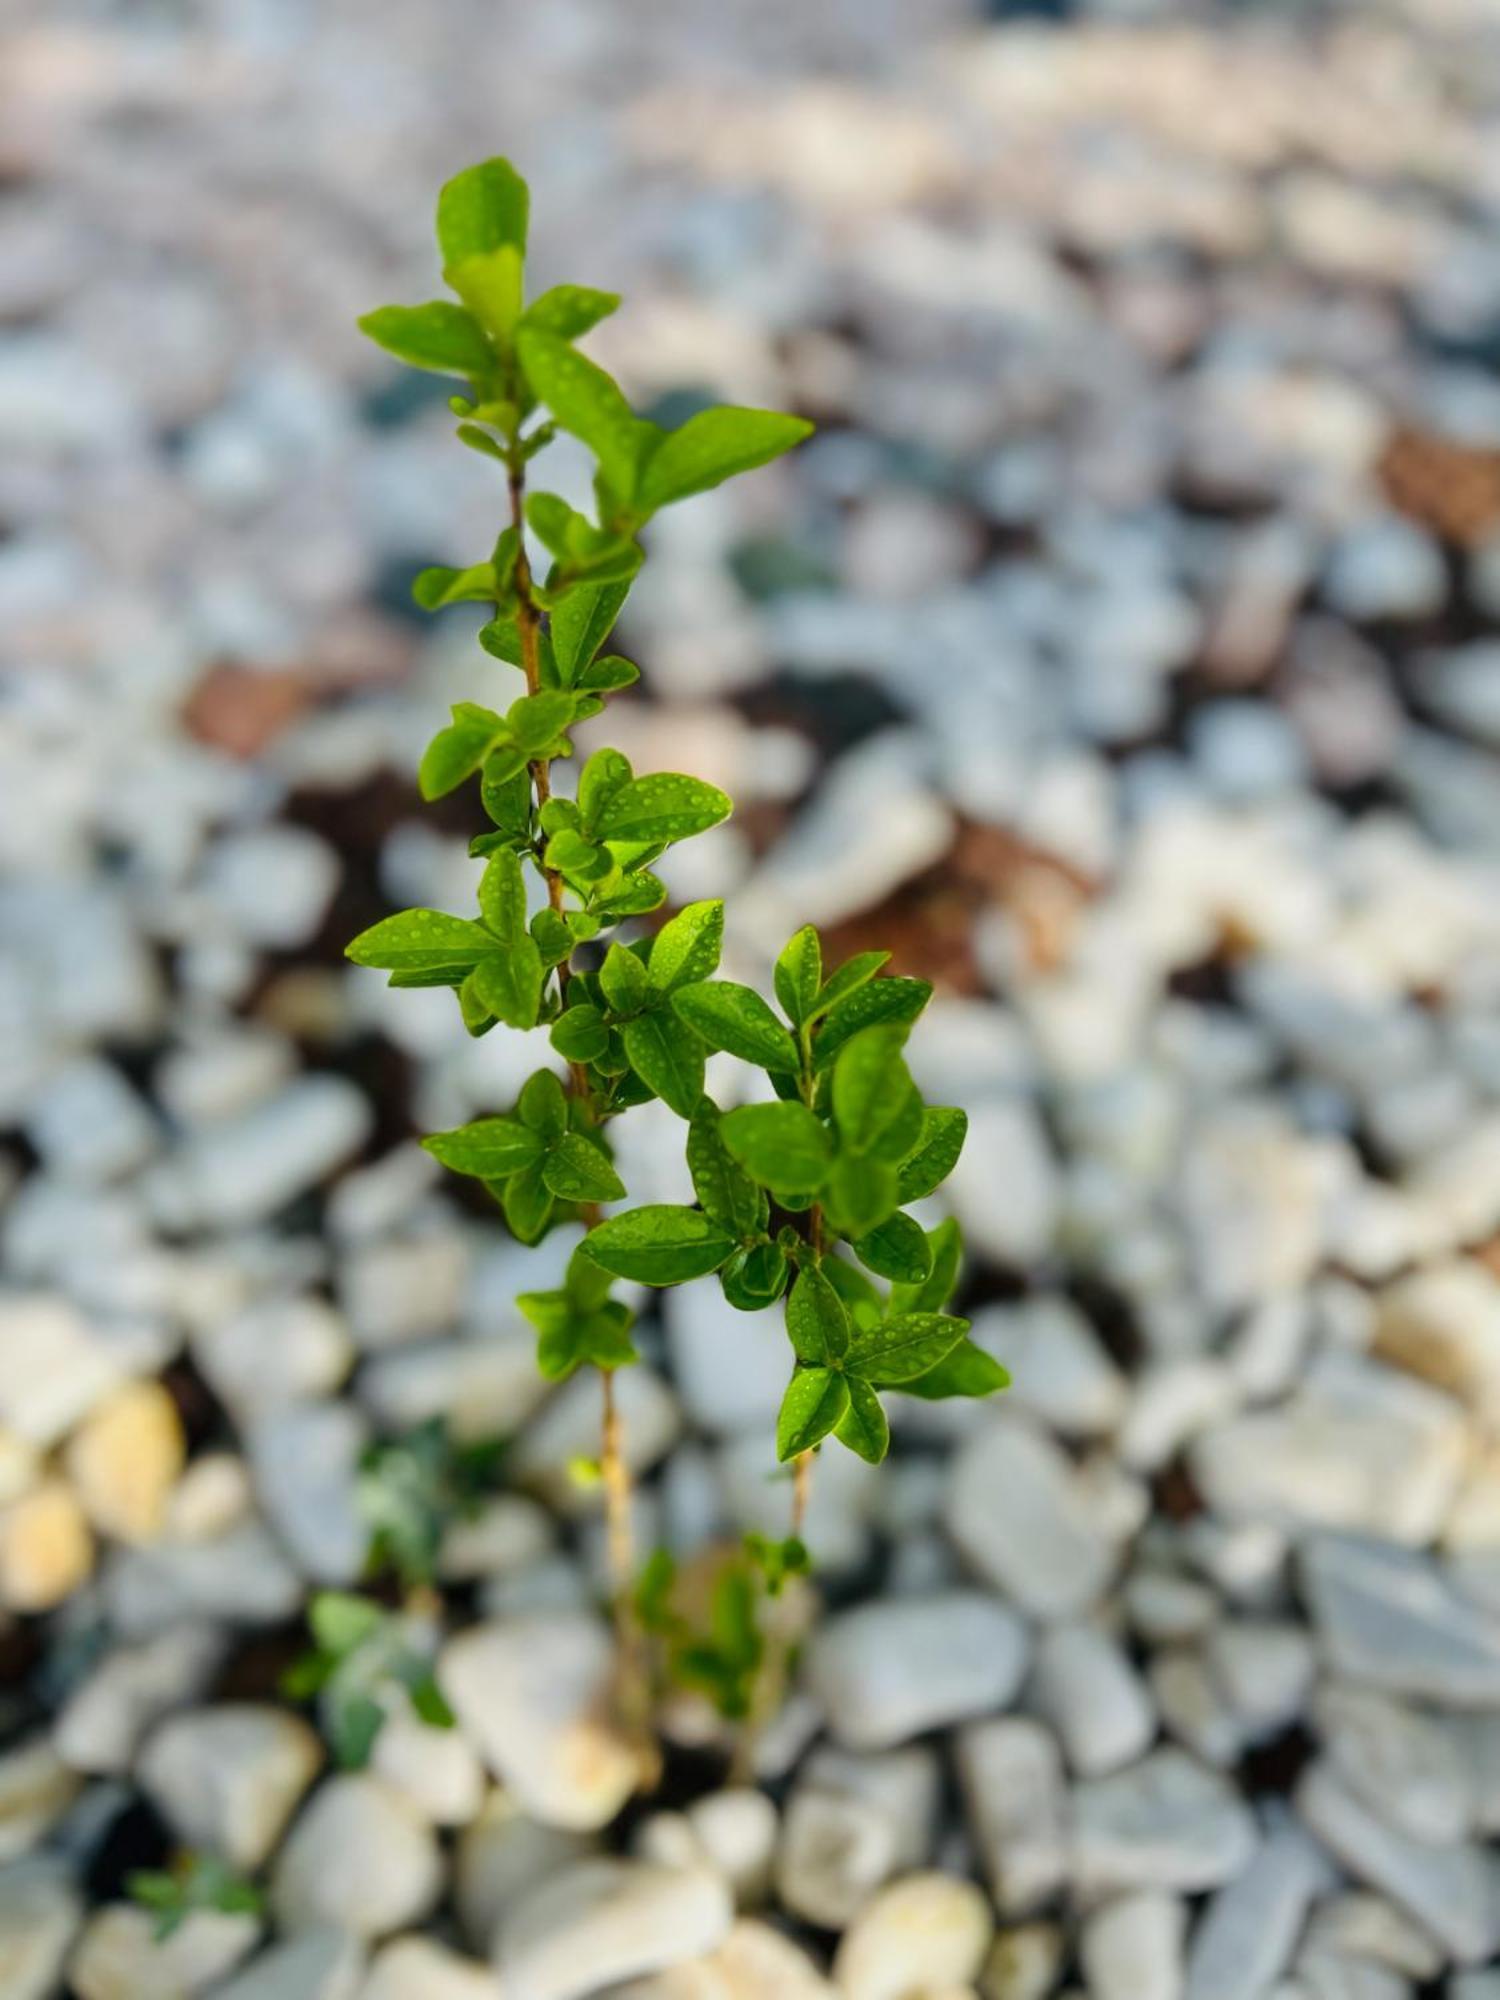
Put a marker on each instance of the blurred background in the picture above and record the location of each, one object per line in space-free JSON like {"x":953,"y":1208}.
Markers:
{"x":1120,"y":653}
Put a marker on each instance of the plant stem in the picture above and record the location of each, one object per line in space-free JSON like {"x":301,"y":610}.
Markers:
{"x":614,"y":1468}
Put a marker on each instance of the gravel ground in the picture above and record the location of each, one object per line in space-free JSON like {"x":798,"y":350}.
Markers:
{"x":1122,"y":652}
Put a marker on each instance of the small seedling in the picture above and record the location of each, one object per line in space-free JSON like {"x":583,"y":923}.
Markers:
{"x":195,"y":1882}
{"x":803,"y":1195}
{"x":412,"y":1489}
{"x":363,"y":1658}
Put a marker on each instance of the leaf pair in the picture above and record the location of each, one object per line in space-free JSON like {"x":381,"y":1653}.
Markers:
{"x":840,"y":1368}
{"x":579,"y":1322}
{"x":531,"y":1160}
{"x":533,"y":728}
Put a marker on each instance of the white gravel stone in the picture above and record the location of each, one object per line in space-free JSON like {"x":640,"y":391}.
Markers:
{"x":322,"y":1964}
{"x":926,"y":1932}
{"x":737,"y":1831}
{"x":359,"y":1858}
{"x":1357,"y":1447}
{"x":1356,"y":1924}
{"x":602,"y":1921}
{"x":1265,"y":1667}
{"x":90,"y":1126}
{"x":1024,"y":1963}
{"x":274,"y":1352}
{"x":36,"y":1789}
{"x":850,"y":1824}
{"x":1082,"y":1683}
{"x":227,"y":1779}
{"x":57,"y":1368}
{"x":40,"y":1913}
{"x":1131,"y":1948}
{"x":1403,"y":1765}
{"x":436,"y":1770}
{"x":305,"y":1461}
{"x":1006,"y":1147}
{"x":1058,"y":1366}
{"x":1388,"y":1618}
{"x":419,"y":1968}
{"x":244,"y":1169}
{"x":1021,"y":1516}
{"x":1012,"y":1777}
{"x":1452,"y":1891}
{"x":532,"y":1693}
{"x":500,"y":1858}
{"x":887,"y":1672}
{"x":271,"y":885}
{"x":392,"y":1292}
{"x":240,"y":1577}
{"x":100,"y":1727}
{"x":119,"y":1956}
{"x":729,"y":1366}
{"x":1245,"y":1938}
{"x":1165,"y":1823}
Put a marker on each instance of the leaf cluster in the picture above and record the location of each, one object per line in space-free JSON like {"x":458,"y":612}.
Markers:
{"x":194,"y":1882}
{"x":363,"y":1659}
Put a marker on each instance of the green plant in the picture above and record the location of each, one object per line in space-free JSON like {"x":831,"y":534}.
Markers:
{"x":800,"y":1196}
{"x":411,"y":1489}
{"x":363,"y":1657}
{"x":194,"y":1882}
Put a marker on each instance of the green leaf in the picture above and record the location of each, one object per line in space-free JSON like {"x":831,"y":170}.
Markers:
{"x":569,"y":310}
{"x":457,"y":752}
{"x":735,"y":1018}
{"x":687,"y":947}
{"x":713,"y":446}
{"x":851,"y":975}
{"x":537,"y":720}
{"x":660,"y":1245}
{"x":586,"y":402}
{"x":354,"y":1722}
{"x":581,"y":622}
{"x":783,"y":1146}
{"x":933,"y":1293}
{"x":543,"y":1104}
{"x":339,"y":1621}
{"x":799,"y":975}
{"x":509,"y":983}
{"x":936,"y":1152}
{"x":623,"y":981}
{"x":870,"y":1085}
{"x":881,"y":1000}
{"x":528,"y":1203}
{"x":605,"y":773}
{"x":434,"y":589}
{"x":429,"y":1704}
{"x":902,"y":1349}
{"x":507,"y":800}
{"x":966,"y":1370}
{"x":492,"y":1148}
{"x":576,"y":1170}
{"x":898,"y":1249}
{"x":863,"y":1427}
{"x":755,"y":1278}
{"x":441,"y":337}
{"x":861,"y":1193}
{"x":607,"y":673}
{"x":479,"y":210}
{"x":502,"y":898}
{"x":723,"y":1187}
{"x":814,"y":1403}
{"x":665,"y":805}
{"x":666,"y":1057}
{"x":816,"y":1322}
{"x":490,"y":285}
{"x":579,"y":1034}
{"x":422,"y":941}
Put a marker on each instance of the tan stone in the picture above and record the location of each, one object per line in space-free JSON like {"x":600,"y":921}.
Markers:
{"x":46,"y":1549}
{"x":124,"y":1460}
